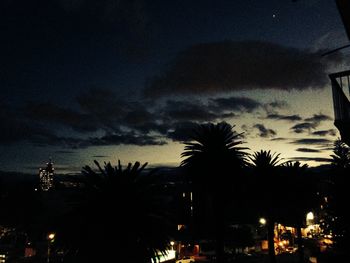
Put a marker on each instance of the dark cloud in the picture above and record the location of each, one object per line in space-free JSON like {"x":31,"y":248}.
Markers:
{"x":100,"y":156}
{"x":246,"y":130}
{"x":34,"y":127}
{"x":64,"y":152}
{"x":143,"y":121}
{"x":213,"y":110}
{"x":103,"y":104}
{"x":291,"y":118}
{"x":304,"y":127}
{"x":154,"y":126}
{"x":327,"y":148}
{"x":271,"y":107}
{"x":50,"y":113}
{"x":312,"y":141}
{"x":112,"y":113}
{"x":242,"y":104}
{"x":16,"y":128}
{"x":101,"y":118}
{"x":278,"y":104}
{"x":265,"y":132}
{"x":127,"y":138}
{"x":311,"y":124}
{"x":279,"y":139}
{"x":138,"y":117}
{"x":318,"y":118}
{"x":331,"y":132}
{"x":96,"y":109}
{"x":189,"y":111}
{"x":182,"y":131}
{"x":307,"y":159}
{"x":130,"y":138}
{"x":228,"y":66}
{"x":308,"y":150}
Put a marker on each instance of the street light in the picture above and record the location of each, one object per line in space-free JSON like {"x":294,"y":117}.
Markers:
{"x":262,"y":221}
{"x":50,"y":239}
{"x":310,"y":216}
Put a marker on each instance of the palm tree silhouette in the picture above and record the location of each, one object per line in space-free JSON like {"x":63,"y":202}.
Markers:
{"x":122,"y":217}
{"x":213,"y":160}
{"x":341,"y":156}
{"x":264,"y":164}
{"x":303,"y":198}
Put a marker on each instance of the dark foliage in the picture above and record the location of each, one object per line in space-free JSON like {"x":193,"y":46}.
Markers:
{"x":265,"y":167}
{"x":214,"y":161}
{"x":121,"y":218}
{"x":338,"y":220}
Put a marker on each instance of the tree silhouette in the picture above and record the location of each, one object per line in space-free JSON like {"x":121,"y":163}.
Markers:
{"x":122,"y":217}
{"x":339,"y":195}
{"x":22,"y":207}
{"x":302,"y":198}
{"x":265,"y":165}
{"x":341,"y":156}
{"x":214,"y":161}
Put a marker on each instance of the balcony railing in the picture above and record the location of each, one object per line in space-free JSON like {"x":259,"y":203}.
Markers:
{"x":340,"y":82}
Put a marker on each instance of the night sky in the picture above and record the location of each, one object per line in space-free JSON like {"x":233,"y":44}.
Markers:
{"x":128,"y":79}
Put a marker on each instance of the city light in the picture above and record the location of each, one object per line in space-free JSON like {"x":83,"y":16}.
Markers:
{"x":310,"y":216}
{"x":262,"y":221}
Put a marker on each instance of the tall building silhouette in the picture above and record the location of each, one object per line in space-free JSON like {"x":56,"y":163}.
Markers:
{"x":46,"y":176}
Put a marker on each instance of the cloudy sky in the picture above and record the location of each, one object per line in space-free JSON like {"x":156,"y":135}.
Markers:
{"x":129,"y":79}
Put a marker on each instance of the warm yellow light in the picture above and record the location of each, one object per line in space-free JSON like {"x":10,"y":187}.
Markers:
{"x":310,"y":216}
{"x":262,"y":221}
{"x":172,"y":243}
{"x":51,"y":236}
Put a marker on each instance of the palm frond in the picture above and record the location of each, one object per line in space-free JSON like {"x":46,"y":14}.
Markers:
{"x":114,"y":191}
{"x":212,"y":141}
{"x":264,"y":159}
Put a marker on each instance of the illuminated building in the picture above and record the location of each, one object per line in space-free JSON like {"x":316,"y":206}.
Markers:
{"x":46,"y":176}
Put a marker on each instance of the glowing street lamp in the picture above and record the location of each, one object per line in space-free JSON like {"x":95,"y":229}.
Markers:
{"x":50,"y":239}
{"x":310,"y":216}
{"x":262,"y":221}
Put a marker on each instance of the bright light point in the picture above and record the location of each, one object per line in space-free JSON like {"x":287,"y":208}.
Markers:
{"x":273,"y":16}
{"x":310,"y":216}
{"x":169,"y":256}
{"x":262,"y":221}
{"x":51,"y":236}
{"x":172,"y":243}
